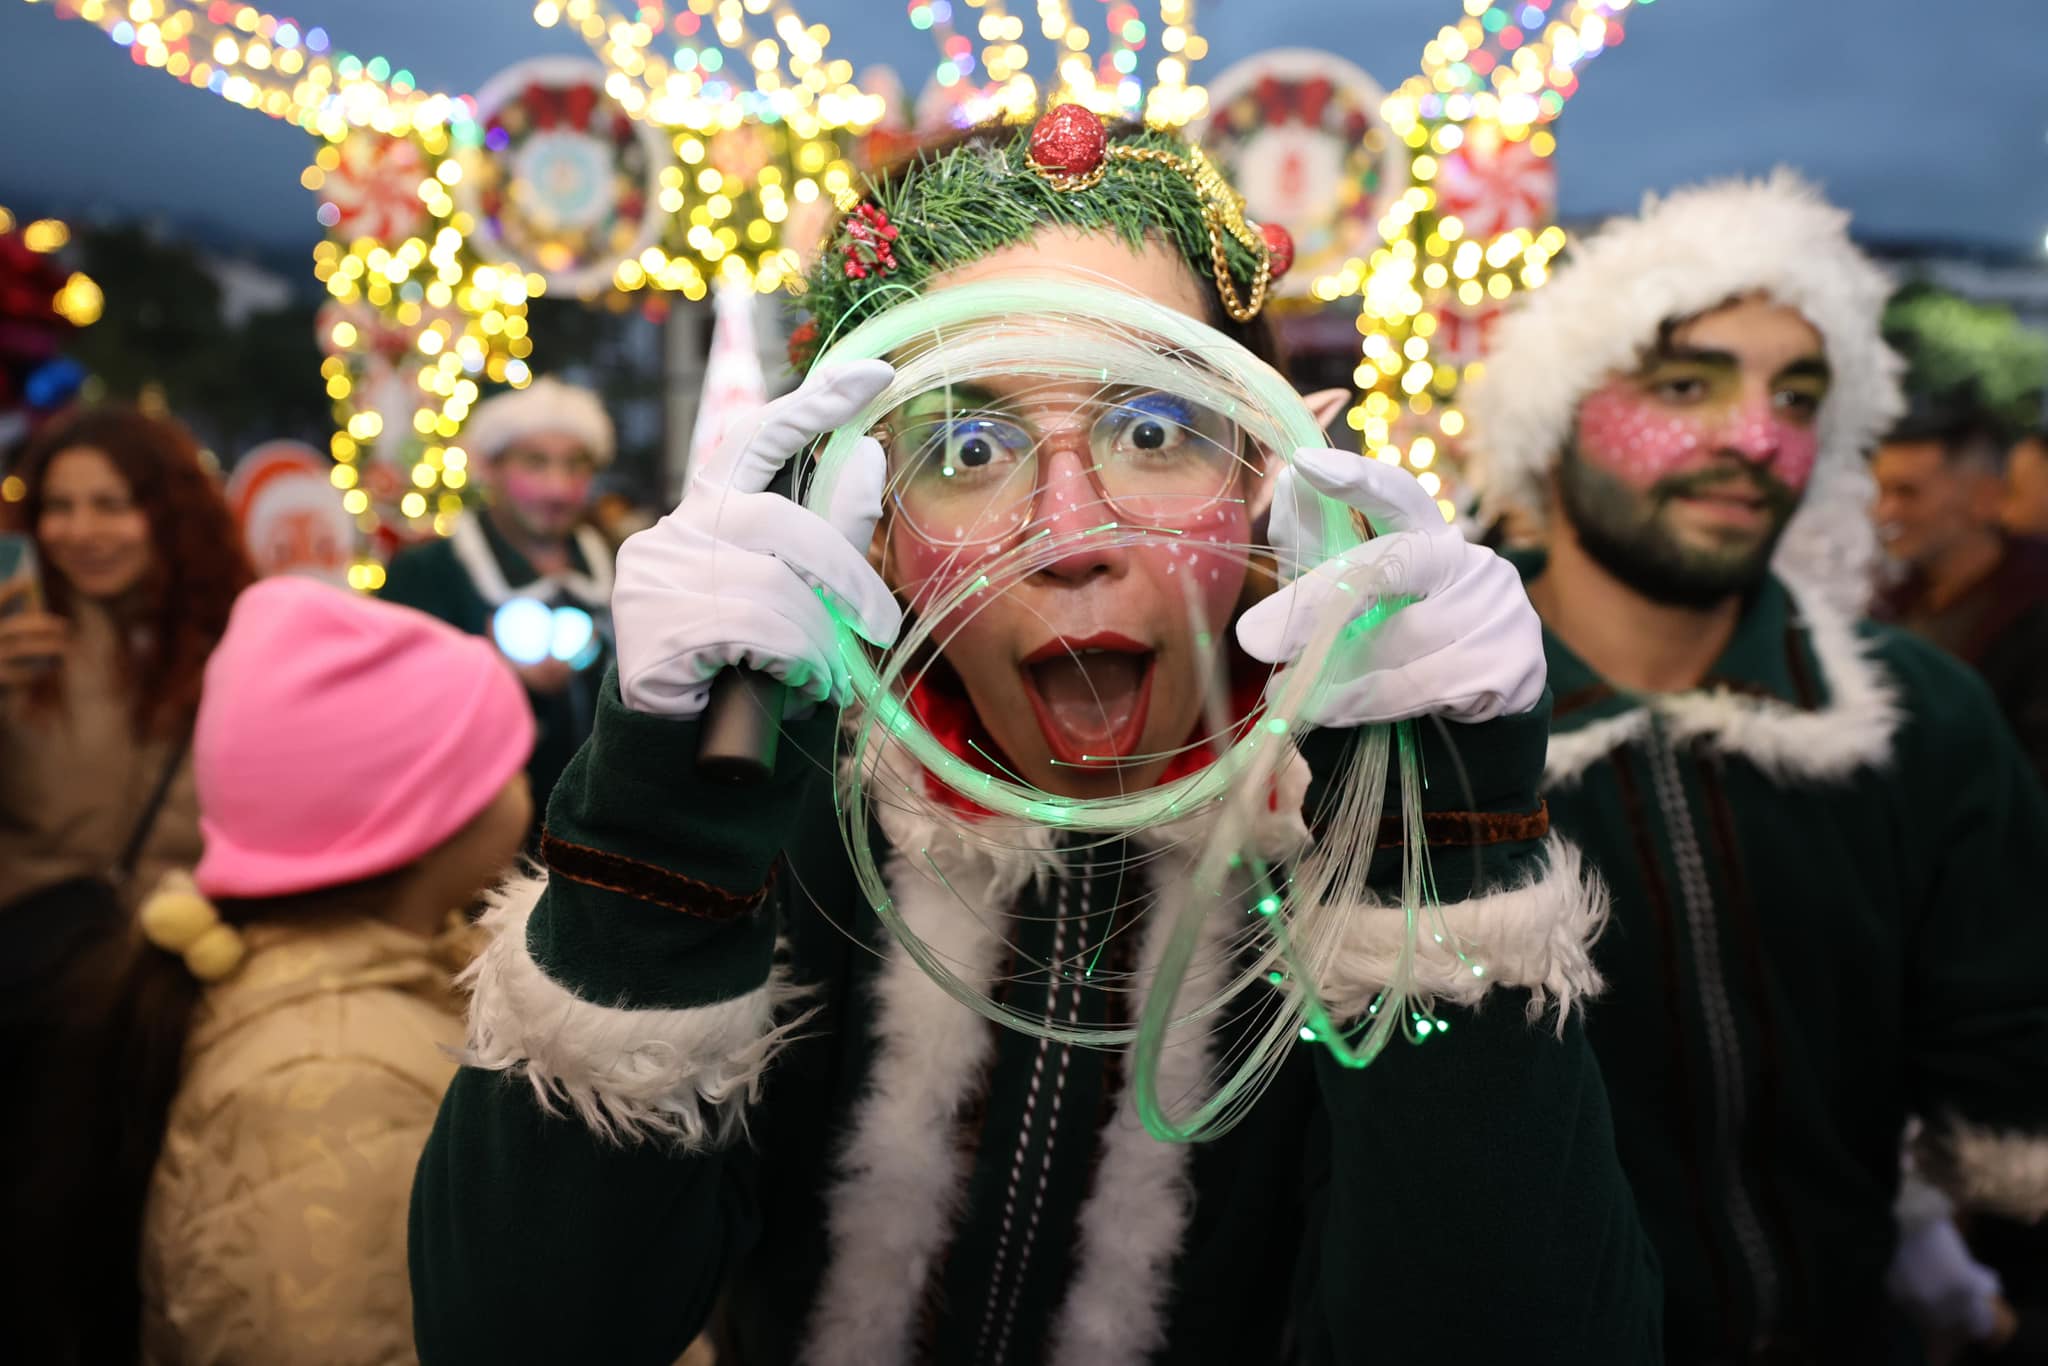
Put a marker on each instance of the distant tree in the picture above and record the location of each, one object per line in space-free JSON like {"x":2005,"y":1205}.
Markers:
{"x":163,"y":331}
{"x":1965,"y":358}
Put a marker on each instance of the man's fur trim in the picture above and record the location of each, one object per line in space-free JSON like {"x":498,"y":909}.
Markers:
{"x":1683,"y":255}
{"x":2003,"y":1172}
{"x":1851,"y":731}
{"x":473,"y":553}
{"x":1538,"y":936}
{"x":630,"y":1075}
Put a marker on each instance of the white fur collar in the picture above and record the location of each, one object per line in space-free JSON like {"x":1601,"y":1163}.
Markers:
{"x":473,"y":550}
{"x":903,"y":1177}
{"x":1852,"y":730}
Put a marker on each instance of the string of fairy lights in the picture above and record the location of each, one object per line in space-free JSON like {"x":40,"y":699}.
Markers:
{"x":78,"y":299}
{"x":71,"y":296}
{"x":260,"y":61}
{"x":760,"y":126}
{"x":1107,"y":81}
{"x":759,"y":137}
{"x":1500,"y":75}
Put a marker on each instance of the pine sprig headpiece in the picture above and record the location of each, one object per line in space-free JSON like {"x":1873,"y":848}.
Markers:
{"x":953,"y":205}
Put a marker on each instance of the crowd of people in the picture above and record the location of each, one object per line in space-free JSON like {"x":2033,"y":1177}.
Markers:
{"x":379,"y":989}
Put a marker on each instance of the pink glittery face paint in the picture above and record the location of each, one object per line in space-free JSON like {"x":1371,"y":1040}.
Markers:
{"x":1629,"y":429}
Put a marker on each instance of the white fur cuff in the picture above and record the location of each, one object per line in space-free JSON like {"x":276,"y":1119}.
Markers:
{"x":687,"y":1075}
{"x":2004,"y":1173}
{"x":1537,"y":936}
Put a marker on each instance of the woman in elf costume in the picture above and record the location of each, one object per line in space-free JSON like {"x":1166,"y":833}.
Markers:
{"x":745,"y":1057}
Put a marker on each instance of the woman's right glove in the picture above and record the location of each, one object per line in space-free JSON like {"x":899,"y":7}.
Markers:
{"x":737,"y":575}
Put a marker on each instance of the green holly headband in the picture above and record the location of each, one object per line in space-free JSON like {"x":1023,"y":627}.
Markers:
{"x":952,"y":205}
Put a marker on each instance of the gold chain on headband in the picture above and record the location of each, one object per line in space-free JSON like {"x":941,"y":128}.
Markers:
{"x":1222,"y":212}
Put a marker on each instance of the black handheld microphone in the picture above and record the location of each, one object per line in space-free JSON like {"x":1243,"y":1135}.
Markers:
{"x":742,"y":727}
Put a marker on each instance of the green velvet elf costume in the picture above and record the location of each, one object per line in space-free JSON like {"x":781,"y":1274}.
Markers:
{"x":692,"y":1091}
{"x":1827,"y":858}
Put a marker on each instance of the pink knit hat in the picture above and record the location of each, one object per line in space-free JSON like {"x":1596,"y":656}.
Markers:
{"x":339,"y":738}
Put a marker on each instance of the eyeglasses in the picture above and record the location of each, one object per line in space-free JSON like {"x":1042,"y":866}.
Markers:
{"x":964,"y":465}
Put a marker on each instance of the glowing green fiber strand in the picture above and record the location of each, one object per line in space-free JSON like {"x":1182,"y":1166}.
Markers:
{"x":1260,"y":937}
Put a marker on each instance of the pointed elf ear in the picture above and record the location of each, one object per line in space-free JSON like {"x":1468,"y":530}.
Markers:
{"x":1328,"y":405}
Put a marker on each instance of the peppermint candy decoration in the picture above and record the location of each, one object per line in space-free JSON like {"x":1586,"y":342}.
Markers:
{"x":374,"y":190}
{"x":1496,"y":189}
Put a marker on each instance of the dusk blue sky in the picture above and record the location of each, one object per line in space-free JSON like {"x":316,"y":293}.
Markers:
{"x":1928,"y":118}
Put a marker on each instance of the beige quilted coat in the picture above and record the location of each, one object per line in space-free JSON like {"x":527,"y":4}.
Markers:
{"x":275,"y":1230}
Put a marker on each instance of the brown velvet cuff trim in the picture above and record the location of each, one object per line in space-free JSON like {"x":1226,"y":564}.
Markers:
{"x":1469,"y":828}
{"x":647,"y":881}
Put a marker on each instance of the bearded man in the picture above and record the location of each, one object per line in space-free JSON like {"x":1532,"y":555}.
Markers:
{"x":1825,"y":848}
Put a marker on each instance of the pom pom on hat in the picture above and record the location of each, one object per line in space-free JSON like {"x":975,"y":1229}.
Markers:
{"x":542,"y":407}
{"x":178,"y":919}
{"x":340,"y":738}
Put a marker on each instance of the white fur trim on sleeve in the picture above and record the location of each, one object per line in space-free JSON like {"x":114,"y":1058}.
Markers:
{"x":1537,"y":936}
{"x":2002,"y":1172}
{"x":630,"y":1075}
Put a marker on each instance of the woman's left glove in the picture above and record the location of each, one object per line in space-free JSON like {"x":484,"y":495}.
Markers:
{"x":1468,"y":647}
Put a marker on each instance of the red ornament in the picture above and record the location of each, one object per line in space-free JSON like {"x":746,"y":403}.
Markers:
{"x":1279,"y":247}
{"x":1071,"y":140}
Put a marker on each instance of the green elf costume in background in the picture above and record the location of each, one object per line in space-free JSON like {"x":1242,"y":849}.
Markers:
{"x":692,"y":1094}
{"x":466,"y":576}
{"x":1827,"y":858}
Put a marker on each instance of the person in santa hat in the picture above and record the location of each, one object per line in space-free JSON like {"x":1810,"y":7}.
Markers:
{"x":536,"y":453}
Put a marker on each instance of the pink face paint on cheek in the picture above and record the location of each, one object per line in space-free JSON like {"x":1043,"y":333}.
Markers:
{"x":531,"y":489}
{"x":928,"y":571}
{"x":1622,"y":431}
{"x":1209,"y":553}
{"x":1787,"y":449}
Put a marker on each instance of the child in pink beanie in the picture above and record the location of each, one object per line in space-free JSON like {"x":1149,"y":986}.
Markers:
{"x":280,"y":1037}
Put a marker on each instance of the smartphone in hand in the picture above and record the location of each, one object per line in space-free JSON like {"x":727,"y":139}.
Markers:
{"x":21,"y":581}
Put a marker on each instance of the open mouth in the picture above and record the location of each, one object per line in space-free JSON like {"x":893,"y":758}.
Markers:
{"x":1091,"y":696}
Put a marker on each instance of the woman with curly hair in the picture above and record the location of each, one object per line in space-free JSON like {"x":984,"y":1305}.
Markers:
{"x":140,"y":561}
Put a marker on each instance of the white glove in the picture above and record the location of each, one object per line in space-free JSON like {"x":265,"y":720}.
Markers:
{"x":740,"y":576}
{"x":1469,"y":648}
{"x":1934,"y":1279}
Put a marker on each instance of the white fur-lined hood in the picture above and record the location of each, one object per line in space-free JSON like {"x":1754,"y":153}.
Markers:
{"x":1682,"y":255}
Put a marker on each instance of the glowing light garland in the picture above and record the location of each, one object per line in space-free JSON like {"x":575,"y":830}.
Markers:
{"x":259,"y":61}
{"x":755,"y":117}
{"x":997,"y":82}
{"x":1489,"y":85}
{"x":757,"y":121}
